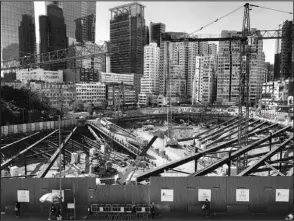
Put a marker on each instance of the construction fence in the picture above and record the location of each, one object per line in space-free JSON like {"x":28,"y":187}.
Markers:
{"x":31,"y":127}
{"x":170,"y":194}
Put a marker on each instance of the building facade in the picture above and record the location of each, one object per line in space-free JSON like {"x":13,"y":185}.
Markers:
{"x":127,"y":34}
{"x":17,"y":30}
{"x":60,"y":95}
{"x":203,"y":82}
{"x":91,"y":92}
{"x":156,"y":29}
{"x":286,"y":49}
{"x":127,"y":79}
{"x":79,"y":17}
{"x":25,"y":75}
{"x":182,"y":54}
{"x":53,"y":35}
{"x":229,"y":69}
{"x":116,"y":97}
{"x":150,"y":79}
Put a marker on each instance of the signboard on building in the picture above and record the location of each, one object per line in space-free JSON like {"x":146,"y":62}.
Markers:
{"x":58,"y":191}
{"x":23,"y":196}
{"x":204,"y":194}
{"x":167,"y":195}
{"x":282,"y":195}
{"x":242,"y":195}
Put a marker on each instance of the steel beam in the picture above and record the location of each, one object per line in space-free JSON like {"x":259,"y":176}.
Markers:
{"x":95,"y":135}
{"x":264,"y":158}
{"x":146,"y":148}
{"x":229,"y":129}
{"x":179,"y":171}
{"x":174,"y":164}
{"x":209,"y":130}
{"x":236,"y":154}
{"x":9,"y":161}
{"x":52,"y":159}
{"x":263,"y":169}
{"x":250,"y":133}
{"x":22,"y":139}
{"x":274,"y":169}
{"x":230,"y":126}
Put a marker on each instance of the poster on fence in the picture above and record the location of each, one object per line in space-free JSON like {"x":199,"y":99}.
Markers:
{"x":58,"y":191}
{"x":23,"y":196}
{"x":242,"y":195}
{"x":282,"y":195}
{"x":204,"y":194}
{"x":167,"y":195}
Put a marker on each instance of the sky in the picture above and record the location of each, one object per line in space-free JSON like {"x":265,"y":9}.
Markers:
{"x":190,"y":16}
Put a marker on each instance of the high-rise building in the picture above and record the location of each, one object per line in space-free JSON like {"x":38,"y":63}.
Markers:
{"x":17,"y":29}
{"x":286,"y":49}
{"x":85,"y":28}
{"x":150,"y":79}
{"x":203,"y":83}
{"x":53,"y":34}
{"x":127,"y":35}
{"x":74,"y":13}
{"x":156,"y":29}
{"x":180,"y":53}
{"x":212,"y":49}
{"x":27,"y":36}
{"x":229,"y":70}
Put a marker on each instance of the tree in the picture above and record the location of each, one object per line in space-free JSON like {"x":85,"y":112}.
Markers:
{"x":16,"y":103}
{"x":78,"y":105}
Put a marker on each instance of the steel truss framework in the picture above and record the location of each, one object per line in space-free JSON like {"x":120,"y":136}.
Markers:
{"x":43,"y":147}
{"x":78,"y":51}
{"x":257,"y":128}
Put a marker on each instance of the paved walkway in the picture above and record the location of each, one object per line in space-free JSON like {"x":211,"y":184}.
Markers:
{"x":168,"y":216}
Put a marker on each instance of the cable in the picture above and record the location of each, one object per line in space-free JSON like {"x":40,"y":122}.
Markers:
{"x":271,"y":9}
{"x":216,"y":20}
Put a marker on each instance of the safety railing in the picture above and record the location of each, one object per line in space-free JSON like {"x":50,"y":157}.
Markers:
{"x":120,"y":212}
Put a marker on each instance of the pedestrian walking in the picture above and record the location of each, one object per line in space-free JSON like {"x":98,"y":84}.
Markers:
{"x":52,"y":212}
{"x":58,"y":214}
{"x":152,"y":210}
{"x":17,"y":209}
{"x":206,"y":208}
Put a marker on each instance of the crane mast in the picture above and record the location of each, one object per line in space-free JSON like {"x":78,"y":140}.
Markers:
{"x":244,"y":93}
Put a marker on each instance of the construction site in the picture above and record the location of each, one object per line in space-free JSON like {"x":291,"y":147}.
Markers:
{"x":114,"y":162}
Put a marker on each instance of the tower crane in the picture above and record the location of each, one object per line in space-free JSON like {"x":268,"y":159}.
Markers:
{"x":247,"y":39}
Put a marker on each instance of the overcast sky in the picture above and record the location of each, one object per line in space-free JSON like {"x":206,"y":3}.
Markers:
{"x":190,"y":16}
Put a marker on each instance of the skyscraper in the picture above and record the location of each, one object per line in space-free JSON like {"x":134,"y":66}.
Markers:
{"x":85,"y":28}
{"x":17,"y":34}
{"x":286,"y":49}
{"x":229,"y":69}
{"x":182,"y":54}
{"x":127,"y":36}
{"x":203,"y":84}
{"x":156,"y":29}
{"x":53,"y":34}
{"x":150,"y":79}
{"x":27,"y":39}
{"x":73,"y":13}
